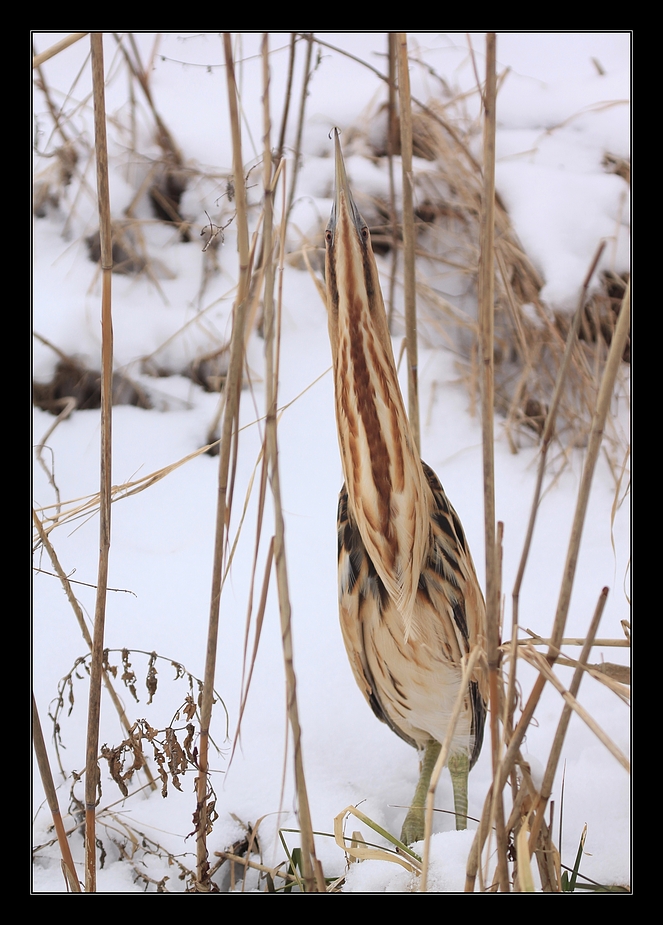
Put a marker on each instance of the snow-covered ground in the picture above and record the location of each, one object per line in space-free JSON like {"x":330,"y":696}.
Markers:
{"x":557,"y":117}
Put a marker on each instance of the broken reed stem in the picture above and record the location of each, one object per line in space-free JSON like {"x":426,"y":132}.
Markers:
{"x":487,"y":324}
{"x":311,"y":870}
{"x":606,"y":391}
{"x":558,"y":741}
{"x":603,"y":641}
{"x":409,"y":279}
{"x":231,"y":417}
{"x":96,"y":667}
{"x":52,"y":799}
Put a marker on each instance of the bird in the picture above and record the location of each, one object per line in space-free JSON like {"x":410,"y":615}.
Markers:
{"x":411,"y":607}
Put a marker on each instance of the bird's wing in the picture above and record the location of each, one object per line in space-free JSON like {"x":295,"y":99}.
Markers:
{"x":449,"y":581}
{"x":410,"y":681}
{"x":355,"y":572}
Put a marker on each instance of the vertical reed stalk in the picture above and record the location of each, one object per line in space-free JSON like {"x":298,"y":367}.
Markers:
{"x":468,"y":669}
{"x":606,"y":391}
{"x":409,"y":280}
{"x":393,"y":148}
{"x":96,"y":667}
{"x":288,"y":95}
{"x":487,"y":323}
{"x":300,"y":123}
{"x":546,"y":440}
{"x":52,"y":799}
{"x":231,"y":415}
{"x":311,"y":870}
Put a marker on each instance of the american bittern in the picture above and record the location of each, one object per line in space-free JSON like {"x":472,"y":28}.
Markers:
{"x":410,"y":602}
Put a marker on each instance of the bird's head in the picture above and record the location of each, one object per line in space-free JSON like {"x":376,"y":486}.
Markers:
{"x":354,"y":297}
{"x":345,"y":217}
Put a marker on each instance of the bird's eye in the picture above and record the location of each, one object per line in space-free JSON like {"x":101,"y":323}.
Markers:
{"x":364,"y":233}
{"x":328,"y":237}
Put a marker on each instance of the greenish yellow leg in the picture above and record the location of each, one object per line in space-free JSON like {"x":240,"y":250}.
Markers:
{"x":459,"y":768}
{"x":414,"y":825}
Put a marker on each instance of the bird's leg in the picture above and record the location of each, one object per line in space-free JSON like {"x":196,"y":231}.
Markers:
{"x":459,"y":768}
{"x":414,"y":825}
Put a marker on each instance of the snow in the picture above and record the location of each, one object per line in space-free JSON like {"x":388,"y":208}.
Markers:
{"x":557,"y":117}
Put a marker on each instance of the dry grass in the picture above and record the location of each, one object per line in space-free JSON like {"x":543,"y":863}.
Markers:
{"x":540,"y":396}
{"x":529,"y":335}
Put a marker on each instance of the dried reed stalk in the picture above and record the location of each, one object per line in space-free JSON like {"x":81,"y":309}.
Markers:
{"x":288,"y":95}
{"x":300,"y":123}
{"x":549,"y":426}
{"x":529,"y":338}
{"x":230,"y":419}
{"x":599,"y":416}
{"x":71,"y":597}
{"x":87,"y":505}
{"x":468,"y":668}
{"x":68,"y":867}
{"x":52,"y":108}
{"x":558,"y":741}
{"x":542,"y":664}
{"x":596,"y":434}
{"x":393,"y":148}
{"x":311,"y":869}
{"x":487,"y":325}
{"x":408,"y":241}
{"x":57,"y":48}
{"x":247,"y":676}
{"x":546,"y":439}
{"x":603,"y":641}
{"x":141,"y":74}
{"x":598,"y":423}
{"x":96,"y":667}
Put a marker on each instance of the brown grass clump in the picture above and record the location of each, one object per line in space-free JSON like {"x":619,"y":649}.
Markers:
{"x":529,"y":335}
{"x":73,"y":380}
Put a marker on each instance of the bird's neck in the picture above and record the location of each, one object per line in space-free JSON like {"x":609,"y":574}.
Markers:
{"x":387,"y":491}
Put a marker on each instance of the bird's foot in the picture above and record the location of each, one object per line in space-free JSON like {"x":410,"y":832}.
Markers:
{"x":414,"y":825}
{"x":415,"y":822}
{"x":459,"y":768}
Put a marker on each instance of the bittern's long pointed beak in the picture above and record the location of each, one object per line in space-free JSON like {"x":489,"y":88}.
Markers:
{"x":343,"y":199}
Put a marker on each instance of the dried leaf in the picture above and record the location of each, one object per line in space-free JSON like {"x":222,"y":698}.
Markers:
{"x":151,"y":680}
{"x":188,"y":743}
{"x":128,"y":675}
{"x":189,"y":708}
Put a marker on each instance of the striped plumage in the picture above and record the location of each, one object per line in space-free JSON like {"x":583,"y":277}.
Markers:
{"x":410,"y":602}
